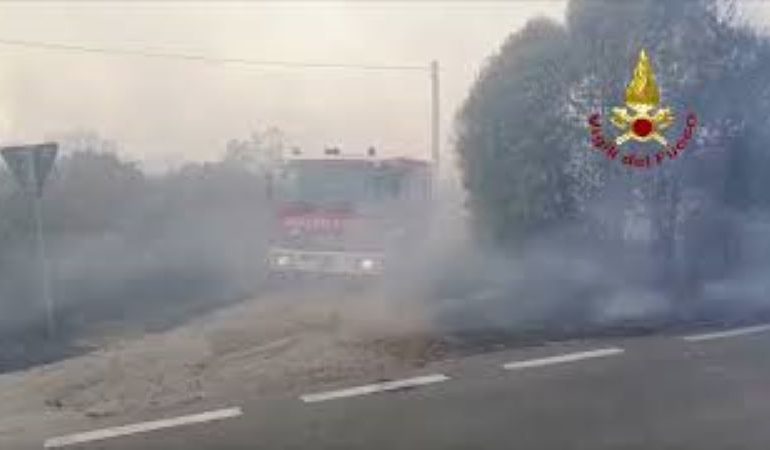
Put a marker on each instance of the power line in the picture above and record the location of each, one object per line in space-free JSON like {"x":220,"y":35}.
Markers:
{"x":203,"y":58}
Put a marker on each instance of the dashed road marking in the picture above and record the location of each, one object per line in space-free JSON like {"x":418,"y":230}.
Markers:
{"x":374,"y":388}
{"x":727,"y":334}
{"x":568,"y":357}
{"x":107,"y":433}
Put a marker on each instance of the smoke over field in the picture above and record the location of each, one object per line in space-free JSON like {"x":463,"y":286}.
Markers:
{"x":160,"y":279}
{"x":544,"y":232}
{"x":127,"y":249}
{"x":566,"y":237}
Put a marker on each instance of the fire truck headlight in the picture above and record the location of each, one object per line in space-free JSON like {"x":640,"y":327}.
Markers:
{"x":366,"y":264}
{"x":283,"y":260}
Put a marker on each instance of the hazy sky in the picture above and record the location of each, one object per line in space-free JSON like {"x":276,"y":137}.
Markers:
{"x":162,"y":111}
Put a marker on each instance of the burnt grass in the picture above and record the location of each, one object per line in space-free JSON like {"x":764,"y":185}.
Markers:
{"x":21,"y":350}
{"x":420,"y":349}
{"x":152,"y":311}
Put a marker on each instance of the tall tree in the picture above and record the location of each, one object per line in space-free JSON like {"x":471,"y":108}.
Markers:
{"x":524,"y":150}
{"x":511,"y":136}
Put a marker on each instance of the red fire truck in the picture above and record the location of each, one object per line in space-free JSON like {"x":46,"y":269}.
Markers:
{"x":349,"y":216}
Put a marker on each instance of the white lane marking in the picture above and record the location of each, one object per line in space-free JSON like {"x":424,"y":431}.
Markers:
{"x":141,"y":427}
{"x":375,"y":387}
{"x":727,"y":333}
{"x":569,"y":357}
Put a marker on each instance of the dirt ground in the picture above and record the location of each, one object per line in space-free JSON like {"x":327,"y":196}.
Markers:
{"x":269,"y":345}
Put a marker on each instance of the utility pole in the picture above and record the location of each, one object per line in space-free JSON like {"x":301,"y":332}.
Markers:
{"x":435,"y":145}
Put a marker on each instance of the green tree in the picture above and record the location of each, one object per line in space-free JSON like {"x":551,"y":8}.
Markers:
{"x":512,"y":138}
{"x":524,"y":150}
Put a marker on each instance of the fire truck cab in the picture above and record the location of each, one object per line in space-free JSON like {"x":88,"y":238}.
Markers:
{"x":349,"y":216}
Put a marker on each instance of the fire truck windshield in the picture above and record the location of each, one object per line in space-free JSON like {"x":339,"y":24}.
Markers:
{"x":339,"y":182}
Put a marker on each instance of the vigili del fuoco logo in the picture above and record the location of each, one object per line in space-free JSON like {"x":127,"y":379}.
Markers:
{"x":641,"y":120}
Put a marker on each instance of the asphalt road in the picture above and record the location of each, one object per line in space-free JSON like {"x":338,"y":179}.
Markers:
{"x":645,"y":393}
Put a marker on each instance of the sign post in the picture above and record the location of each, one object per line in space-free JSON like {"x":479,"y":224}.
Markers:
{"x":30,"y":165}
